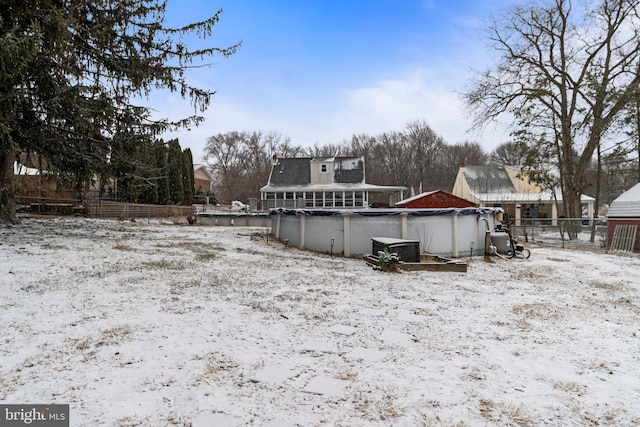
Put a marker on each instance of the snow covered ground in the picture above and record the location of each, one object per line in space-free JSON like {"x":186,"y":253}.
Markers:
{"x":159,"y":324}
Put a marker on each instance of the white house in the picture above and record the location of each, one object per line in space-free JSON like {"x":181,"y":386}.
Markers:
{"x":508,"y":187}
{"x":327,"y":183}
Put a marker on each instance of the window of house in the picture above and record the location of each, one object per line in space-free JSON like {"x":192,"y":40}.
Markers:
{"x":328,"y":199}
{"x":324,"y":168}
{"x":348,"y":199}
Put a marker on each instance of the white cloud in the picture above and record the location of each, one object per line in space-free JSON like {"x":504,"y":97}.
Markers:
{"x":323,"y":118}
{"x":419,"y":95}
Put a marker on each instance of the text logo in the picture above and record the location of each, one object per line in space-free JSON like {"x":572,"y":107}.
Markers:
{"x":34,"y":415}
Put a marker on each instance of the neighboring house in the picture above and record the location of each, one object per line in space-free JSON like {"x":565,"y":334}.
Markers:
{"x":327,"y":183}
{"x":623,"y":218}
{"x":34,"y":187}
{"x":202,"y":178}
{"x":435,"y":199}
{"x":506,"y":187}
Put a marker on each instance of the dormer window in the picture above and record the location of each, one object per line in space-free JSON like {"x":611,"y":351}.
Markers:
{"x":324,"y":168}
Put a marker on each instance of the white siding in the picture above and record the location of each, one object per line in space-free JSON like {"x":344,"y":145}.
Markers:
{"x":627,"y":205}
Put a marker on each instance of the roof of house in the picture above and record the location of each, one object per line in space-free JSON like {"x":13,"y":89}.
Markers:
{"x":542,"y":197}
{"x":416,"y":197}
{"x":492,"y":184}
{"x":488,"y":179}
{"x":20,"y":169}
{"x":297,"y":171}
{"x":627,"y":205}
{"x":198,"y":166}
{"x":293,"y":171}
{"x":294,"y":174}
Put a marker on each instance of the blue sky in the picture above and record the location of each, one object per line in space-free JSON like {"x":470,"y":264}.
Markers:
{"x":321,"y":71}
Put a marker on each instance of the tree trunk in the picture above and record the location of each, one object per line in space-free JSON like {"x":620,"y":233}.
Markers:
{"x":7,"y":188}
{"x":572,"y":208}
{"x":596,"y":212}
{"x":638,"y":135}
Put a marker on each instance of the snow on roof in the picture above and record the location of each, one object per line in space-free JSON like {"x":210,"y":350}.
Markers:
{"x":20,"y":169}
{"x":294,"y":174}
{"x":488,"y":178}
{"x":198,"y":166}
{"x":627,"y":205}
{"x":332,"y":187}
{"x":544,"y":197}
{"x":416,"y":197}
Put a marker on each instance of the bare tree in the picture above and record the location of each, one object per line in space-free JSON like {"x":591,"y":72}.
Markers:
{"x":363,"y":145}
{"x":392,"y":160}
{"x":565,"y":75}
{"x":427,"y":148}
{"x":327,"y":150}
{"x":222,"y":156}
{"x":468,"y":153}
{"x":512,"y":153}
{"x":241,"y":161}
{"x":631,"y":125}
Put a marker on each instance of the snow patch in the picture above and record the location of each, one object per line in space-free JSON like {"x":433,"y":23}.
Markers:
{"x":327,"y":386}
{"x":365,"y":354}
{"x":343,"y":329}
{"x":273,"y":374}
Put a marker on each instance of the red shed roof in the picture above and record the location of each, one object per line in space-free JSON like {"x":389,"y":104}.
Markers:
{"x":435,"y":199}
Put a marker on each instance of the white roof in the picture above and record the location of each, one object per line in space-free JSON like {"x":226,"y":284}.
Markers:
{"x":20,"y":169}
{"x":544,"y":197}
{"x":331,"y":187}
{"x":627,"y":205}
{"x":198,"y":166}
{"x":411,"y":199}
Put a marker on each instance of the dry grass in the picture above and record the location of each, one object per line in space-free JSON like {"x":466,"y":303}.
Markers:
{"x":216,"y":367}
{"x":53,"y":246}
{"x":599,"y":284}
{"x":380,"y":402}
{"x":111,"y":336}
{"x":557,"y":259}
{"x":347,"y":374}
{"x":120,"y":247}
{"x":173,"y":418}
{"x":206,"y":256}
{"x":426,"y":420}
{"x":602,"y":414}
{"x":165,"y":264}
{"x":5,"y":388}
{"x":505,"y":413}
{"x":571,"y":387}
{"x":538,"y":311}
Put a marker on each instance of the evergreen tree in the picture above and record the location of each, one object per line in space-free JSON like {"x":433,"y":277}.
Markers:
{"x":188,"y":179}
{"x":148,"y":174}
{"x":175,"y":163}
{"x":162,"y":166}
{"x":70,"y":71}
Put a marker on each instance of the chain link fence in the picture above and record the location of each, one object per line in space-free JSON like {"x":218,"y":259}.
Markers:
{"x":545,"y":229}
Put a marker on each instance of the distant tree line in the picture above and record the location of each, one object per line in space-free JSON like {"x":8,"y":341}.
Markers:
{"x":415,"y":157}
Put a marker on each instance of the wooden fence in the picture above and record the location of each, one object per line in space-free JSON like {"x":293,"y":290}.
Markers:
{"x":120,"y":210}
